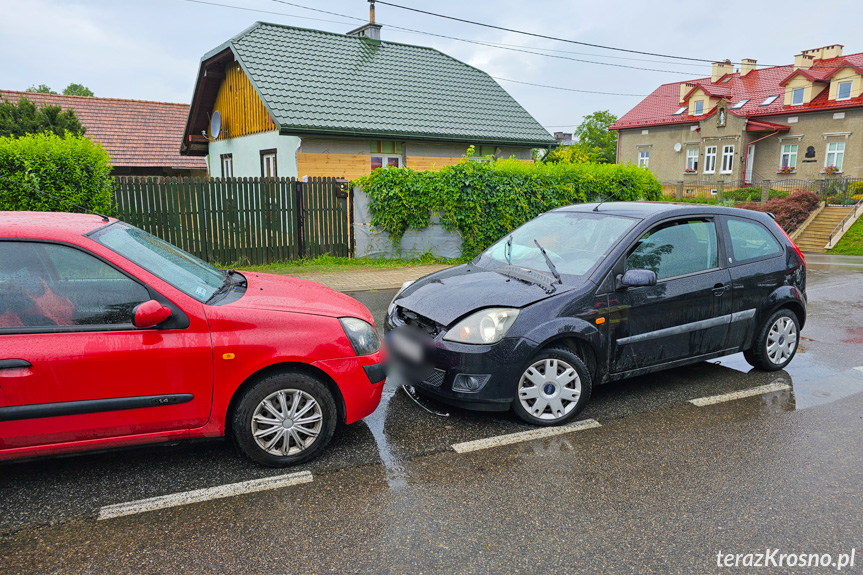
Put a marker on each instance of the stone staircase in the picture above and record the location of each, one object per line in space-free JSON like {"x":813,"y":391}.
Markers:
{"x":817,"y":233}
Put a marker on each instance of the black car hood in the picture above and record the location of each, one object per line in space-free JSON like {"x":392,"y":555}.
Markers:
{"x":449,"y":294}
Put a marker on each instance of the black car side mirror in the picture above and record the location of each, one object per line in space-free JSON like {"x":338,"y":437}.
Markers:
{"x":636,"y":278}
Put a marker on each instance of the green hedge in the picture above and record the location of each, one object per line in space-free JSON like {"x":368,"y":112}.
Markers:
{"x":71,"y":168}
{"x":484,"y":200}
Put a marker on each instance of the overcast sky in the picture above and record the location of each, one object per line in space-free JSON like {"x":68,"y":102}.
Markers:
{"x":150,"y":49}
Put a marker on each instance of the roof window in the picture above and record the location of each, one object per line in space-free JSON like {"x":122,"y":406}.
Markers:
{"x":769,"y":100}
{"x":740,"y":104}
{"x":679,"y":111}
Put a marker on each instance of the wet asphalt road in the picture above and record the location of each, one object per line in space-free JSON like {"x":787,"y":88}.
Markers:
{"x":661,"y":487}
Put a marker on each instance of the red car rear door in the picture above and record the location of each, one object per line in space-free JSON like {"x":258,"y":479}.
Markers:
{"x":72,"y":365}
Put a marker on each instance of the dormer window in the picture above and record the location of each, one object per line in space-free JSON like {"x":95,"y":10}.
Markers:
{"x":681,"y":110}
{"x":699,"y":107}
{"x":769,"y":100}
{"x":843,"y":91}
{"x":740,"y":104}
{"x":797,"y":96}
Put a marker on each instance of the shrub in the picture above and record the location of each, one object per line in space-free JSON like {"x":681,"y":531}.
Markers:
{"x":73,"y":169}
{"x":483,"y":201}
{"x":790,"y":211}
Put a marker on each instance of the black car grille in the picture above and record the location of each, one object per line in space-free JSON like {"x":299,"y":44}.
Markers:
{"x":415,"y":320}
{"x":435,"y":378}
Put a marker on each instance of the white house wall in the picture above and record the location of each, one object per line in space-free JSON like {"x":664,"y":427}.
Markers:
{"x":246,"y":154}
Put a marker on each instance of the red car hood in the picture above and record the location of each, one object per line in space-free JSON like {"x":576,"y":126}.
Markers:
{"x":281,"y":293}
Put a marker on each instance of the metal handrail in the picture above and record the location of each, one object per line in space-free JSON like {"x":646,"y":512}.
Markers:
{"x":842,"y":223}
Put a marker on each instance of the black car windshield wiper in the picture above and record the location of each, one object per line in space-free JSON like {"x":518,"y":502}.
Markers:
{"x":232,"y":278}
{"x":548,"y":261}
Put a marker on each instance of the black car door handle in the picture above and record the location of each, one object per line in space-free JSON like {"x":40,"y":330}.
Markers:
{"x":14,"y":363}
{"x":719,"y":289}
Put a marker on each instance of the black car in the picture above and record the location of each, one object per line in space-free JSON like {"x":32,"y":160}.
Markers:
{"x":592,"y":293}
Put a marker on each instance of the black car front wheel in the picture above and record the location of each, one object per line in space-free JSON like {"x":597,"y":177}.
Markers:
{"x":553,"y":389}
{"x":776,"y":342}
{"x":284,"y":419}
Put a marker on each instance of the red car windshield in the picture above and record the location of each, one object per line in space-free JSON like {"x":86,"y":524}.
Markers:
{"x":191,"y":275}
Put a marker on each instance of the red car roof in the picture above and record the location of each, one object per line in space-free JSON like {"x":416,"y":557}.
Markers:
{"x":48,"y":225}
{"x":659,"y":107}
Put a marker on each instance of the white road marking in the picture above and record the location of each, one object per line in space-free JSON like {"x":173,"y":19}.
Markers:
{"x":523,"y":436}
{"x":198,"y":495}
{"x":702,"y":401}
{"x":859,"y":368}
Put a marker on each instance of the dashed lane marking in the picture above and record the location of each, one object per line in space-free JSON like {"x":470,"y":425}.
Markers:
{"x":499,"y":440}
{"x":760,"y":390}
{"x":199,"y":495}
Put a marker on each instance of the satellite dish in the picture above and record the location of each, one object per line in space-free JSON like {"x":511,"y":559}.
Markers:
{"x":677,"y":146}
{"x":216,"y":125}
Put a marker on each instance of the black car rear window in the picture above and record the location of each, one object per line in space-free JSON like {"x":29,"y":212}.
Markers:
{"x":751,"y":240}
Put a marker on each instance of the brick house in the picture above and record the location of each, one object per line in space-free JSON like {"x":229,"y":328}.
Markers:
{"x":293,"y":102}
{"x":749,"y":125}
{"x":140,"y":136}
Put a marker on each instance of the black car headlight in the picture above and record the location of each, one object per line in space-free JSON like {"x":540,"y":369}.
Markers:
{"x":362,"y":335}
{"x":485,"y":326}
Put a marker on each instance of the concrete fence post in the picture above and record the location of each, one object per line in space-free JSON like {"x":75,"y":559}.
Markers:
{"x":679,"y":189}
{"x":720,"y":186}
{"x":765,"y":191}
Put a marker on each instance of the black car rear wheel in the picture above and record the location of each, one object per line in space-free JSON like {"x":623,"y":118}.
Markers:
{"x":776,"y":342}
{"x":553,"y":388}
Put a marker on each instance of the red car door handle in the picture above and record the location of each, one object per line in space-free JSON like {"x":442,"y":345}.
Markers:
{"x":14,"y":363}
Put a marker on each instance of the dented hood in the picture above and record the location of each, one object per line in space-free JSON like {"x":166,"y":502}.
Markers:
{"x":450,"y":294}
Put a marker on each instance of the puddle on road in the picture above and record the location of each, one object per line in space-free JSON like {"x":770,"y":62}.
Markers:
{"x":812,"y":383}
{"x":395,"y":472}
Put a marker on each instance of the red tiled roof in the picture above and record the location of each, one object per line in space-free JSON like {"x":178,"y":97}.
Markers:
{"x":659,"y":107}
{"x":135,"y":133}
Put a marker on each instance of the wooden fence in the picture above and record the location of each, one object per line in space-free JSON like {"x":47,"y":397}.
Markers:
{"x":240,"y":221}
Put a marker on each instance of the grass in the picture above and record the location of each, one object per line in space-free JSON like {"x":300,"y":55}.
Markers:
{"x":851,"y":243}
{"x":334,"y":264}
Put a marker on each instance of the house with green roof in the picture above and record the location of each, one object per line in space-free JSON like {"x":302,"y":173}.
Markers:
{"x":281,"y":101}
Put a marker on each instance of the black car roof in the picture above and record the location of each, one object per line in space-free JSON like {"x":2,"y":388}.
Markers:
{"x":644,"y":210}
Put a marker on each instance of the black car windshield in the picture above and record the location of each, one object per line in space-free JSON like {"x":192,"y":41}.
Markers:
{"x":189,"y":274}
{"x":574,"y":241}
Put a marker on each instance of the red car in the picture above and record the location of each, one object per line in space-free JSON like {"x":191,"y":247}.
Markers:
{"x":112,"y":337}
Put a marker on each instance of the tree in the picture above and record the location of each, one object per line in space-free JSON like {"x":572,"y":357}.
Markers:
{"x":595,"y":137}
{"x":77,"y":90}
{"x":41,"y":89}
{"x":23,"y":118}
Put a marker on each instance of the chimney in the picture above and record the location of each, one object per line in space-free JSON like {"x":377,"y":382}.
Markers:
{"x":747,"y":65}
{"x":825,"y":52}
{"x":684,"y":89}
{"x":370,"y":31}
{"x":803,"y":60}
{"x":720,"y":69}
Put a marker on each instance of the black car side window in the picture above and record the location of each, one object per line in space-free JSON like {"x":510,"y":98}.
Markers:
{"x":676,"y":248}
{"x":751,"y":240}
{"x":50,"y":285}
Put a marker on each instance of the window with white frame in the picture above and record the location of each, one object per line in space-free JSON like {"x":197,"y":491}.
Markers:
{"x":268,"y":164}
{"x":699,"y":107}
{"x":679,"y":111}
{"x":692,"y":160}
{"x":835,"y":155}
{"x":643,"y":159}
{"x":386,"y":161}
{"x":769,"y":100}
{"x":788,"y":159}
{"x":727,"y":159}
{"x":740,"y":104}
{"x":227,"y":165}
{"x":797,"y":96}
{"x":710,"y":160}
{"x":843,"y":91}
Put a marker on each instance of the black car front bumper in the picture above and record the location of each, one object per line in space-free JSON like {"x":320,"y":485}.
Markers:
{"x":443,"y":360}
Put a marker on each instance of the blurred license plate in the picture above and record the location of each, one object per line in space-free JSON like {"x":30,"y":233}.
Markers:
{"x":406,"y":347}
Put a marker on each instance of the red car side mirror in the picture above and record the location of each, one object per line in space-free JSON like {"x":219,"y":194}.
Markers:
{"x":150,"y":313}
